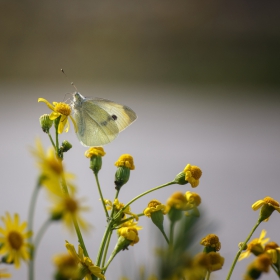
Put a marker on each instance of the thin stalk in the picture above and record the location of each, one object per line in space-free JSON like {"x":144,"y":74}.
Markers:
{"x":51,"y":140}
{"x":171,"y":233}
{"x":31,"y":212}
{"x":106,"y":249}
{"x":40,"y":234}
{"x":208,"y":275}
{"x":241,"y":249}
{"x":101,"y":196}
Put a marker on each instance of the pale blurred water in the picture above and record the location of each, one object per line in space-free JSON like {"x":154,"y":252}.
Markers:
{"x":232,"y":134}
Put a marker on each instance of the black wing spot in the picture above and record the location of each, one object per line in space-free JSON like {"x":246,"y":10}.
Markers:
{"x":114,"y":117}
{"x":104,"y":123}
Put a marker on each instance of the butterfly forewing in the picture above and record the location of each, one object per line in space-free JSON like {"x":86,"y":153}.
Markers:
{"x":122,"y":115}
{"x":95,"y":126}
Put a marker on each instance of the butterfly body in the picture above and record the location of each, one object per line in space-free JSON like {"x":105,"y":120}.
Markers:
{"x":98,"y":120}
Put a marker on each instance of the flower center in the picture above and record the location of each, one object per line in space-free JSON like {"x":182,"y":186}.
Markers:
{"x":63,"y":109}
{"x":71,"y":205}
{"x":196,"y":172}
{"x":15,"y":240}
{"x":154,"y":203}
{"x":55,"y":165}
{"x":271,"y":201}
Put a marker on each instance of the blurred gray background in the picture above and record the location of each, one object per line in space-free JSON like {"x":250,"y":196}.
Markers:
{"x":203,"y":78}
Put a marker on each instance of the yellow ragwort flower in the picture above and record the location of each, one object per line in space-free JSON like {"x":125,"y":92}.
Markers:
{"x":177,"y":200}
{"x":95,"y":151}
{"x":51,"y":168}
{"x":86,"y":262}
{"x":61,"y":110}
{"x":216,"y":261}
{"x":4,"y":274}
{"x":256,"y":246}
{"x":211,"y":241}
{"x":67,"y":207}
{"x":193,"y":201}
{"x":67,"y":266}
{"x":13,"y":239}
{"x":266,"y":201}
{"x":129,"y":230}
{"x":125,"y":160}
{"x":193,"y":173}
{"x":154,"y":206}
{"x":273,"y":250}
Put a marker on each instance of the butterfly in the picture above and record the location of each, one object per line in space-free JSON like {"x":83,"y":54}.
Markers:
{"x":98,"y":120}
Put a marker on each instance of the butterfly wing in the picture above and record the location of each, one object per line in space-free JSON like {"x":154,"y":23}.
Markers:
{"x":95,"y":126}
{"x":123,"y":115}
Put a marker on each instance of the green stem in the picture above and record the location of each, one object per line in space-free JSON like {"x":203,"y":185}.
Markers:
{"x":40,"y":233}
{"x":208,"y":275}
{"x":101,"y":196}
{"x":142,"y":194}
{"x":241,"y":249}
{"x":106,"y":250}
{"x":103,"y":242}
{"x":31,"y":212}
{"x":165,"y":236}
{"x":51,"y":140}
{"x":171,"y":233}
{"x":275,"y":270}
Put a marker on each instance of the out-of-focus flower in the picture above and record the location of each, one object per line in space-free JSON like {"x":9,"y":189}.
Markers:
{"x":87,"y":264}
{"x":67,"y":207}
{"x":13,"y":238}
{"x":260,"y":264}
{"x":62,"y":110}
{"x":211,"y":243}
{"x":256,"y":246}
{"x":273,"y":250}
{"x":193,"y":201}
{"x":51,"y":168}
{"x":216,"y":261}
{"x":177,"y":200}
{"x":67,"y":266}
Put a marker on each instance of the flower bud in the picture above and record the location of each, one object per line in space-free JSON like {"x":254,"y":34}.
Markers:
{"x":121,"y":176}
{"x":65,"y":146}
{"x":95,"y":154}
{"x":45,"y":123}
{"x":180,"y":179}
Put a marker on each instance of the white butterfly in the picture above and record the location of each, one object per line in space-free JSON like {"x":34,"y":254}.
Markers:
{"x":98,"y":120}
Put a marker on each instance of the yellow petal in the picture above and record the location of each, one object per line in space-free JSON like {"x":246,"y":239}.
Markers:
{"x":54,"y":115}
{"x":258,"y":204}
{"x":47,"y":103}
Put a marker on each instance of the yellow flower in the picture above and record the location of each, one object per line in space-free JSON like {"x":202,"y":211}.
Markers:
{"x":255,"y":246}
{"x":193,"y":201}
{"x":193,"y":173}
{"x":268,"y":205}
{"x":67,"y":207}
{"x":216,"y":261}
{"x":61,"y":110}
{"x":259,"y":265}
{"x":13,"y":238}
{"x":86,"y":262}
{"x":4,"y":274}
{"x":212,"y":242}
{"x":95,"y":151}
{"x":154,"y":206}
{"x":125,"y":160}
{"x":129,"y":230}
{"x":67,"y":266}
{"x":273,"y":250}
{"x":177,"y":200}
{"x":51,"y":169}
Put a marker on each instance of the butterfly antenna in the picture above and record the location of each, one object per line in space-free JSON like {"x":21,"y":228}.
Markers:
{"x":68,"y":79}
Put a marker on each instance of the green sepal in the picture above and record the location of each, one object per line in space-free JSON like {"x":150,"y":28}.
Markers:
{"x":95,"y":164}
{"x":175,"y":214}
{"x":121,"y":176}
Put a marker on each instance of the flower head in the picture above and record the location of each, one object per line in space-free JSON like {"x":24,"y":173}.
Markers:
{"x":61,"y":110}
{"x":86,"y":262}
{"x":154,"y":206}
{"x":51,"y":168}
{"x":257,"y":267}
{"x":67,"y":266}
{"x":273,"y":250}
{"x":268,"y":205}
{"x":177,"y":200}
{"x":256,"y":246}
{"x":216,"y":261}
{"x":129,"y":230}
{"x":193,"y":201}
{"x":95,"y":151}
{"x":192,"y":174}
{"x":125,"y":160}
{"x":211,"y":242}
{"x":14,"y":240}
{"x":67,"y":207}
